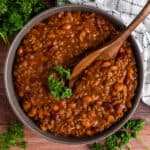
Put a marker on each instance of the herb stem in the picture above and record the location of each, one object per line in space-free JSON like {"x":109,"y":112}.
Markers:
{"x":4,"y":37}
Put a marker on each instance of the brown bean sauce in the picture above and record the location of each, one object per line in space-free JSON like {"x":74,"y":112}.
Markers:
{"x":102,"y":94}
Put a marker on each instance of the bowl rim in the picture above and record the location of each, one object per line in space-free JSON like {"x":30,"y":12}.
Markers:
{"x":10,"y":90}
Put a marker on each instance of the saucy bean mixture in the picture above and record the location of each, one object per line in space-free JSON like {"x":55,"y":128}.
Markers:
{"x":101,"y":95}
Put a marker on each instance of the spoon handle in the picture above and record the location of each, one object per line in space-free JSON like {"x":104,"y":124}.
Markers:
{"x":139,"y":18}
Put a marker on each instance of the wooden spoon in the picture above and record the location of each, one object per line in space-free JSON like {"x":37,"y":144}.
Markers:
{"x":110,"y":50}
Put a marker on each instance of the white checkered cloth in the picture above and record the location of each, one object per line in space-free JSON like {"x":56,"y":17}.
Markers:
{"x":127,"y":10}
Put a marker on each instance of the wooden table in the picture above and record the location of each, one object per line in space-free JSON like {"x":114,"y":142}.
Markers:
{"x":35,"y":142}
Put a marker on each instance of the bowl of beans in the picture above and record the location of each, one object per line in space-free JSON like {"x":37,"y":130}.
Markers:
{"x":38,"y":68}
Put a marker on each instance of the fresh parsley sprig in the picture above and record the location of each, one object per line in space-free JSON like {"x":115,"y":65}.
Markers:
{"x":57,"y":87}
{"x":121,"y":138}
{"x":13,"y":137}
{"x":15,"y":14}
{"x":64,"y":73}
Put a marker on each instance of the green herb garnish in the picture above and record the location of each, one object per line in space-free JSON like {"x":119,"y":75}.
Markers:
{"x":97,"y":146}
{"x":57,"y":87}
{"x":14,"y":14}
{"x":111,"y":142}
{"x":134,"y":126}
{"x":121,"y":138}
{"x":13,"y":137}
{"x":64,"y":73}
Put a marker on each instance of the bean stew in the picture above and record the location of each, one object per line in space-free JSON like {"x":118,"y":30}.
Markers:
{"x":102,"y":94}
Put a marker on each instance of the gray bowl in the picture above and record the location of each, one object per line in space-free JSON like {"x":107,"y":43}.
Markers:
{"x":12,"y":96}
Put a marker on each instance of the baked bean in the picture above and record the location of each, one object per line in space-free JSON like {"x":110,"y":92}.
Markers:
{"x":131,"y":73}
{"x":105,"y":64}
{"x":49,"y":126}
{"x":46,"y":113}
{"x":110,"y":118}
{"x":21,"y":93}
{"x":119,"y":108}
{"x":129,"y":50}
{"x":69,"y":15}
{"x":106,"y":28}
{"x":26,"y":105}
{"x":107,"y":106}
{"x":89,"y":132}
{"x":43,"y":127}
{"x":114,"y":68}
{"x":72,"y":105}
{"x":63,"y":104}
{"x":119,"y":87}
{"x":129,"y":104}
{"x":127,"y":81}
{"x":87,"y":99}
{"x":66,"y":26}
{"x":32,"y":113}
{"x":82,"y":35}
{"x":40,"y":114}
{"x":95,"y":123}
{"x":20,"y":51}
{"x":24,"y":63}
{"x":45,"y":121}
{"x":87,"y":30}
{"x":86,"y":123}
{"x":55,"y":107}
{"x":60,"y":15}
{"x":92,"y":114}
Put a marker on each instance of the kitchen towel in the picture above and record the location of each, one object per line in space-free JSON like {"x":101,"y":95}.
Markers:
{"x":127,"y":10}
